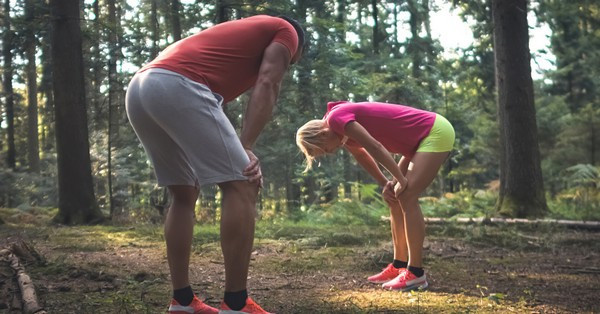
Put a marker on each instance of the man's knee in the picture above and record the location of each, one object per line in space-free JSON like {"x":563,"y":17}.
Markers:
{"x":242,"y":189}
{"x":183,"y":194}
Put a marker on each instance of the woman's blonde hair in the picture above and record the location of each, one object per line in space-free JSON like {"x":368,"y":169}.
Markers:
{"x":309,"y":139}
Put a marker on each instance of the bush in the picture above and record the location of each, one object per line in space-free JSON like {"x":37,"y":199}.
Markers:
{"x":367,"y":211}
{"x":466,"y":203}
{"x":25,"y":190}
{"x":581,"y":200}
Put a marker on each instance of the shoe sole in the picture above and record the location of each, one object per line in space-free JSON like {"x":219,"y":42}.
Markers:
{"x":379,"y":281}
{"x":411,"y":288}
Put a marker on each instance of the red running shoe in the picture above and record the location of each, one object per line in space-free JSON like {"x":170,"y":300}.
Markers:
{"x":250,"y":308}
{"x":407,"y":281}
{"x":196,"y":307}
{"x":387,"y":274}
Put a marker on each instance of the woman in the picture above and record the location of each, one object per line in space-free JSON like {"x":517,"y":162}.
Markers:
{"x":372,"y":131}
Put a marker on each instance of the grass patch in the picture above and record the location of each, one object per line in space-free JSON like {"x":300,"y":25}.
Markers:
{"x":542,"y":237}
{"x":303,"y":233}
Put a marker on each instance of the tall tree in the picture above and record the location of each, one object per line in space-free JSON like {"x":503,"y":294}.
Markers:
{"x":221,"y":8}
{"x":575,"y":43}
{"x":375,"y":15}
{"x":175,"y":20}
{"x":77,"y":203}
{"x":306,"y":100}
{"x":414,"y":48}
{"x":574,"y":26}
{"x":521,"y":184}
{"x":97,"y":64}
{"x":45,"y":86}
{"x":7,"y":47}
{"x":341,"y":20}
{"x":395,"y":41}
{"x":33,"y":147}
{"x":45,"y":89}
{"x":113,"y":112}
{"x":154,"y":29}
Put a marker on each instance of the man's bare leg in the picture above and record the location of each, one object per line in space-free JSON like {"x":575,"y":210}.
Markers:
{"x":179,"y":228}
{"x":238,"y":216}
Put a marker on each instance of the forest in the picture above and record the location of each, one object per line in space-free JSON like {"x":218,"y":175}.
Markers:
{"x":80,"y":207}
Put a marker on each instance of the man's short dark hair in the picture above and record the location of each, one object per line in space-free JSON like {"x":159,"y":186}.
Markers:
{"x":297,"y":27}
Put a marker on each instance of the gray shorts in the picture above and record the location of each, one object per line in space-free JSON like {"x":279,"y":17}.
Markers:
{"x":184,"y":130}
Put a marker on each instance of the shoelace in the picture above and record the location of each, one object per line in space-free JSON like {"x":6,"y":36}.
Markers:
{"x":390,"y":269}
{"x":403,"y":275}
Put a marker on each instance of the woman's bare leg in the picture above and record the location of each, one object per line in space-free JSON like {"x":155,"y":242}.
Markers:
{"x":424,"y":169}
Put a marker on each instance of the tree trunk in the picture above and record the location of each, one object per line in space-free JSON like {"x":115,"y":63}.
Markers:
{"x":521,"y":184}
{"x":97,"y":66}
{"x":396,"y":48}
{"x":293,"y":191}
{"x":305,"y":99}
{"x":341,"y":19}
{"x":33,"y":146}
{"x":109,"y":144}
{"x":77,"y":203}
{"x":176,"y":24}
{"x":112,"y":95}
{"x":154,"y":29}
{"x":222,"y":15}
{"x":347,"y":164}
{"x":375,"y":14}
{"x":414,"y":46}
{"x":7,"y":46}
{"x":47,"y":141}
{"x":428,"y":44}
{"x":593,"y":122}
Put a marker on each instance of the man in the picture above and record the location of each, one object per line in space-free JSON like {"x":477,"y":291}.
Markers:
{"x":174,"y":105}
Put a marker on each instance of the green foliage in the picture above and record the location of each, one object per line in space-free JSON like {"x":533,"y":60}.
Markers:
{"x":340,"y":62}
{"x":581,"y":199}
{"x":584,"y":175}
{"x":26,"y":190}
{"x":465,"y":203}
{"x":367,"y":211}
{"x":346,"y":212}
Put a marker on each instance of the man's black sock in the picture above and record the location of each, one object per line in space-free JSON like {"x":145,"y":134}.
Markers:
{"x":399,"y":264}
{"x":417,"y":271}
{"x":184,"y":296}
{"x":236,"y":300}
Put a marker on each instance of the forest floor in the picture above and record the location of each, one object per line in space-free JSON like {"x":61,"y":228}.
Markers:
{"x":311,"y":268}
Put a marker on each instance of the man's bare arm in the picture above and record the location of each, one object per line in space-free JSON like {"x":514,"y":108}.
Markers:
{"x":275,"y":62}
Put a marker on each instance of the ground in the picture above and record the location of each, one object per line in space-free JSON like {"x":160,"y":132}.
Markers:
{"x":311,"y":268}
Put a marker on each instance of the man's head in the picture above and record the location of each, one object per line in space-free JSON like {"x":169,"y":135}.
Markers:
{"x":300,"y":32}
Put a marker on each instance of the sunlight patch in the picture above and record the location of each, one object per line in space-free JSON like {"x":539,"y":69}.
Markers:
{"x":414,"y":301}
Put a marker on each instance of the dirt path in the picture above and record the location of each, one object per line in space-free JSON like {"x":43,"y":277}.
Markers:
{"x":470,"y":268}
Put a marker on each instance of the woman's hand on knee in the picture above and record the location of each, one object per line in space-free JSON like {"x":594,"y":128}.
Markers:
{"x":399,"y":187}
{"x":388,"y":193}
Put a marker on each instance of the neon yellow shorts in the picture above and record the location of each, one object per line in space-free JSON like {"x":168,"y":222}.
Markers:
{"x":440,"y":138}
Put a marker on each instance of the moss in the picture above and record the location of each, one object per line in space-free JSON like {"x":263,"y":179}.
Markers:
{"x":524,"y":208}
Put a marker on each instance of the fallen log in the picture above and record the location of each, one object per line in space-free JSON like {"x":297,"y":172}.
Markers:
{"x":573,"y":224}
{"x":28,"y":295}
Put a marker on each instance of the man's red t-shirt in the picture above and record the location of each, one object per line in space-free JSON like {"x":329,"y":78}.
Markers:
{"x":227,"y":56}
